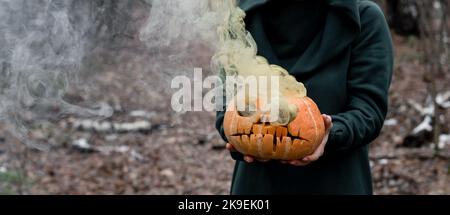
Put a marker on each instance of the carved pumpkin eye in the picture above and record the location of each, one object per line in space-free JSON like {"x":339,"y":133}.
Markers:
{"x":296,"y":134}
{"x":250,"y":110}
{"x":287,"y":113}
{"x":251,"y":113}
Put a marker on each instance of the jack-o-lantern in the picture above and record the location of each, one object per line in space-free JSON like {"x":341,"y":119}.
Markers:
{"x":300,"y":137}
{"x":299,"y":129}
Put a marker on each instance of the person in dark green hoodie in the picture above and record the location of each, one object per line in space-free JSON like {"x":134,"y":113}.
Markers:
{"x":342,"y":51}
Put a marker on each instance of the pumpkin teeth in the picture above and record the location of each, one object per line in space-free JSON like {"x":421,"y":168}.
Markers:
{"x":297,"y":141}
{"x":268,"y":129}
{"x":245,"y":144}
{"x":257,"y":129}
{"x":286,"y":142}
{"x":245,"y":126}
{"x":264,"y":130}
{"x":268,"y":145}
{"x":296,"y":146}
{"x":254,"y":142}
{"x":245,"y":139}
{"x":272,"y":130}
{"x":268,"y":138}
{"x":277,"y":144}
{"x":248,"y":130}
{"x":281,"y":131}
{"x":259,"y":144}
{"x":276,"y":131}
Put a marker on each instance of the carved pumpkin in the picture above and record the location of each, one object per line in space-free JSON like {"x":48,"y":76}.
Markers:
{"x":299,"y":138}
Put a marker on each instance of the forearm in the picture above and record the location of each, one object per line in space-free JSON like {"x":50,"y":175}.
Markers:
{"x":353,"y":129}
{"x":369,"y":78}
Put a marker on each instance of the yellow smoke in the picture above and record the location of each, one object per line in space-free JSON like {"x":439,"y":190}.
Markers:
{"x":237,"y":56}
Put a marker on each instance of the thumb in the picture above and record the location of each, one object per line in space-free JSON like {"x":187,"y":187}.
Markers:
{"x":327,"y":121}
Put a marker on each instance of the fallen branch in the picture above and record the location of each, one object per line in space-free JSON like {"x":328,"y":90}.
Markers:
{"x":425,"y":131}
{"x":443,"y":100}
{"x":112,"y":127}
{"x":84,"y":146}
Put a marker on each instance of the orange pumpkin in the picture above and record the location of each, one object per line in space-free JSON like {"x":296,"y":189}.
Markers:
{"x":263,"y":140}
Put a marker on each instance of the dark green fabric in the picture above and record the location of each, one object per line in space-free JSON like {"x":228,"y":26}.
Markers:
{"x":290,"y":30}
{"x":346,"y":65}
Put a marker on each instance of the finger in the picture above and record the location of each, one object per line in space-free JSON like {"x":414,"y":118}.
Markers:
{"x":328,"y":121}
{"x":249,"y":159}
{"x":311,"y":158}
{"x":230,"y":147}
{"x":330,"y":125}
{"x":298,"y":163}
{"x":318,"y":153}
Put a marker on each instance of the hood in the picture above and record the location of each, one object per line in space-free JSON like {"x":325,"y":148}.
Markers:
{"x":342,"y":26}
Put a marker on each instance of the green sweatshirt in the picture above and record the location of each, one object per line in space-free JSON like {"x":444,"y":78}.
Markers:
{"x":342,"y":51}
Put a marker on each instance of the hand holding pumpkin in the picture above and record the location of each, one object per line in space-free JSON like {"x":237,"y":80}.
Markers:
{"x":300,"y":162}
{"x":319,"y":151}
{"x":299,"y":138}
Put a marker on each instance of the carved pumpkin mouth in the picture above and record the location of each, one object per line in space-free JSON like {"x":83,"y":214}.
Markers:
{"x":267,"y":135}
{"x":251,"y":135}
{"x":268,"y":132}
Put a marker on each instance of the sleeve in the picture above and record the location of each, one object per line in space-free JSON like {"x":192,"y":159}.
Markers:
{"x":219,"y":122}
{"x":368,"y":82}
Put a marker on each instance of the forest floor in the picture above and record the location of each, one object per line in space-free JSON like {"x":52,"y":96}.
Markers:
{"x":183,"y":154}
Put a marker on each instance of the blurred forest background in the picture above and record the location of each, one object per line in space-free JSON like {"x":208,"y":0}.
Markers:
{"x":152,"y":150}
